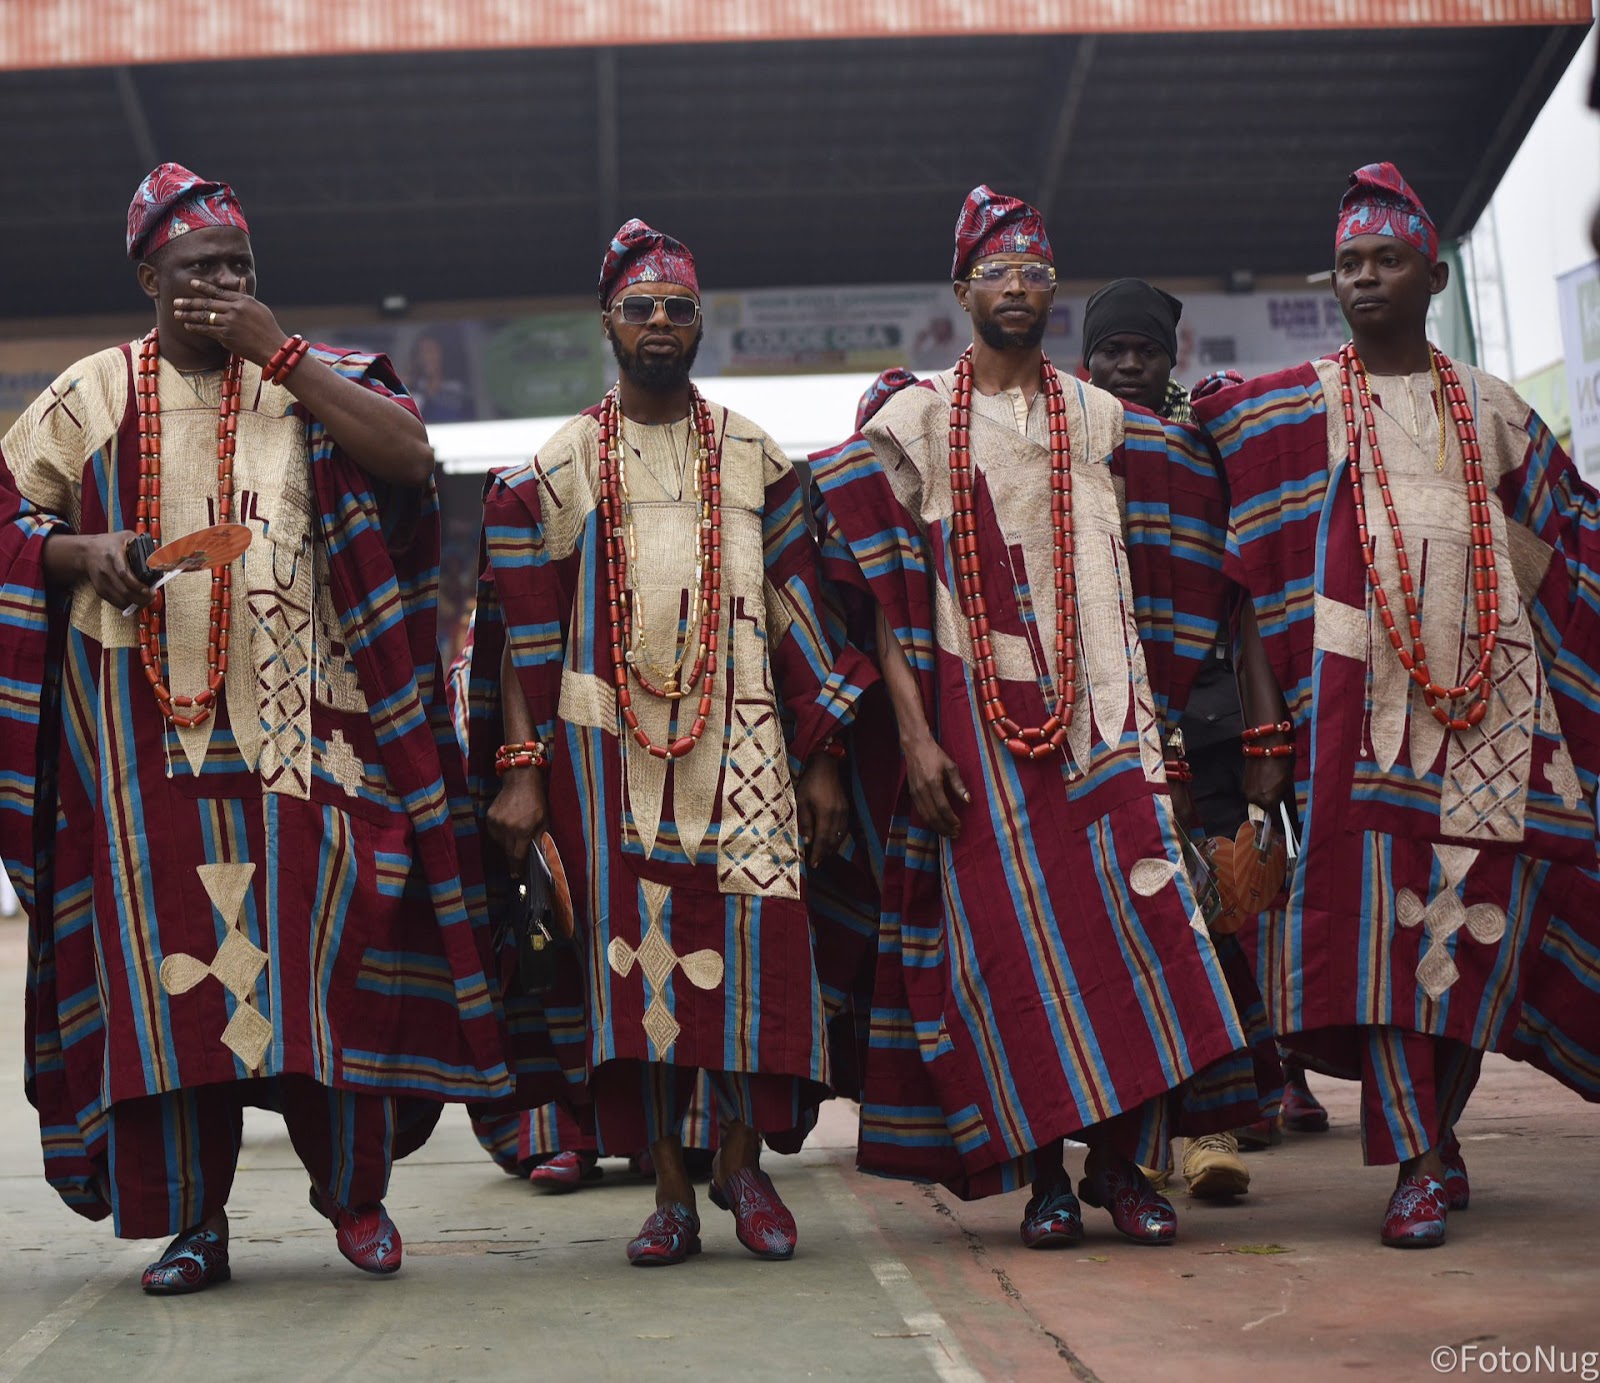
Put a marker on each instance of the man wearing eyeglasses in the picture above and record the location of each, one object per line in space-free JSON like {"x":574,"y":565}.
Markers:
{"x":247,"y":870}
{"x":667,"y":705}
{"x":1043,"y":970}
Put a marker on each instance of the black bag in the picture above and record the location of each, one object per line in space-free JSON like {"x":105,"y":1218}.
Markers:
{"x":530,"y":929}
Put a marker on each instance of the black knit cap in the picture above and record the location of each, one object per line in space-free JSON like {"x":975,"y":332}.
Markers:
{"x":1132,"y":305}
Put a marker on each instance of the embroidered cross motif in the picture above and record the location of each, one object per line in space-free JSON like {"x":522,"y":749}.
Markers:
{"x":61,"y":403}
{"x":342,"y":764}
{"x":657,"y":960}
{"x":1563,"y":776}
{"x":237,"y":964}
{"x":1444,"y":916}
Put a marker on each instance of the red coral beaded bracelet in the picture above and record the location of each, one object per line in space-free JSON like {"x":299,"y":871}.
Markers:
{"x":1253,"y":750}
{"x":285,"y":359}
{"x":525,"y":754}
{"x":831,"y":747}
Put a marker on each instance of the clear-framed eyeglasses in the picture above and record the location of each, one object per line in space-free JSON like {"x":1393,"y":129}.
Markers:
{"x":996,"y":272}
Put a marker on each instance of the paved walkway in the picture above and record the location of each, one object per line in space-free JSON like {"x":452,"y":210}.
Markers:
{"x":892,"y":1281}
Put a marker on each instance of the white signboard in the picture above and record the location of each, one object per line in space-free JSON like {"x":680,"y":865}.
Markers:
{"x":921,"y":327}
{"x":1579,"y":292}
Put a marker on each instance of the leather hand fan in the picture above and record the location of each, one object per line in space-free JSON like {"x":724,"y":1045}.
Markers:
{"x":1250,"y":870}
{"x":198,"y":551}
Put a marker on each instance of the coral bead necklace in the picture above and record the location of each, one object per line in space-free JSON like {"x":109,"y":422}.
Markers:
{"x":184,"y":711}
{"x":1353,"y":388}
{"x":1025,"y":741}
{"x":628,"y":648}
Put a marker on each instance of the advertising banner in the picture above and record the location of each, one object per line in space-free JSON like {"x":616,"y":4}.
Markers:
{"x":921,"y":327}
{"x":1579,"y":294}
{"x":554,"y":362}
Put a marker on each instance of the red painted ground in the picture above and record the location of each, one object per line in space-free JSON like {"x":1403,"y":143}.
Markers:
{"x":1520,"y":1269}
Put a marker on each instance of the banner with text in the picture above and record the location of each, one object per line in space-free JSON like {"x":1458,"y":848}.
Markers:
{"x":554,"y":362}
{"x":1579,"y":294}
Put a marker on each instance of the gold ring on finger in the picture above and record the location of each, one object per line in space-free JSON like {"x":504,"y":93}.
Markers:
{"x":213,"y":319}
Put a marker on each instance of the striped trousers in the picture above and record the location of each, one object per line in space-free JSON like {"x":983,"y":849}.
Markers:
{"x":1413,"y":1090}
{"x":638,"y":1103}
{"x":172,"y":1156}
{"x":517,"y":1141}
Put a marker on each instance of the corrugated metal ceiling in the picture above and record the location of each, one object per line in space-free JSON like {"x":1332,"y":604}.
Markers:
{"x":484,"y":174}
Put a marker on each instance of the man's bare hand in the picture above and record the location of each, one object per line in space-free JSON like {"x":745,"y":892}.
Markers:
{"x":1184,"y":809}
{"x":243,"y":325}
{"x":824,"y":810}
{"x":1267,"y":782}
{"x":517,"y":816}
{"x":936,"y":786}
{"x":102,"y":560}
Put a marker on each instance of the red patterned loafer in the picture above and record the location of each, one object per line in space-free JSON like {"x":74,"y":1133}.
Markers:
{"x":565,"y":1171}
{"x":1302,"y":1111}
{"x":1137,"y":1209}
{"x":1457,"y":1189}
{"x":761,"y":1219}
{"x":193,"y":1261}
{"x":669,"y":1236}
{"x":1053,"y":1219}
{"x":365,"y":1234}
{"x":1416,"y":1214}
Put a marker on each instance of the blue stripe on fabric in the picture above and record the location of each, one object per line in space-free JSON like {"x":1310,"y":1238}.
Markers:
{"x":154,"y":1029}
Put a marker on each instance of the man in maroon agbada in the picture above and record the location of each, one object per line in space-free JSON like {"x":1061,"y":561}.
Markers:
{"x":226,"y":811}
{"x":1043,"y":968}
{"x":1420,"y":558}
{"x":666,"y":700}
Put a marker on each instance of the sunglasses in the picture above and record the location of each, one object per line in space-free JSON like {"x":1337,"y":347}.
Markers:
{"x":993,"y":274}
{"x":638,"y":308}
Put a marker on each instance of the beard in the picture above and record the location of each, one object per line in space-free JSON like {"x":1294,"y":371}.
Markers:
{"x":657,"y":376}
{"x":1000,"y":338}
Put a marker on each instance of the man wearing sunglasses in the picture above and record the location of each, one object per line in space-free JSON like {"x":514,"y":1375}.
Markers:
{"x":650,"y":654}
{"x":1039,"y":975}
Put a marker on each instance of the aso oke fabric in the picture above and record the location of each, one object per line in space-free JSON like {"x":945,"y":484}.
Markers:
{"x":330,"y":840}
{"x":1041,"y":973}
{"x":1446,"y":880}
{"x":686,"y":878}
{"x":514,"y":1138}
{"x":1380,"y":202}
{"x":641,"y":255}
{"x":171,"y":201}
{"x":992,"y":223}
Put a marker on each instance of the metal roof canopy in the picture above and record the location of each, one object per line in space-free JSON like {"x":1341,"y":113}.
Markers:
{"x":450,"y":175}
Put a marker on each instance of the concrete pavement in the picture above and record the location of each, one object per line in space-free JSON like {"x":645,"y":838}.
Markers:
{"x":892,"y":1281}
